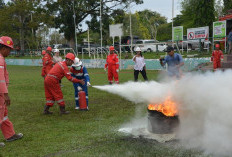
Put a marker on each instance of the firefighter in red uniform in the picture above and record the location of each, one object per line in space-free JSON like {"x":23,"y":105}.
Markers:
{"x":217,"y":55}
{"x":47,"y":62}
{"x":112,"y":64}
{"x":43,"y":68}
{"x":52,"y":87}
{"x":6,"y":44}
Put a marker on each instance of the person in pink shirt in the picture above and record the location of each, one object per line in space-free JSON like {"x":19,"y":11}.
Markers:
{"x":6,"y":44}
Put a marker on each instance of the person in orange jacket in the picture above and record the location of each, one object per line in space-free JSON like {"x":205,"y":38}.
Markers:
{"x":6,"y":45}
{"x":52,"y":87}
{"x":47,"y":62}
{"x":112,"y":63}
{"x":217,"y":55}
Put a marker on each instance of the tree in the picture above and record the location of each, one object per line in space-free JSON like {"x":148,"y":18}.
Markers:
{"x":197,"y":13}
{"x":21,"y":21}
{"x":64,"y":13}
{"x":151,"y":21}
{"x":227,"y":5}
{"x":2,"y":4}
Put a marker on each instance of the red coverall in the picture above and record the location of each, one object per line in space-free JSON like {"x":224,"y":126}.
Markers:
{"x":5,"y":123}
{"x":47,"y":64}
{"x":217,"y":56}
{"x":112,"y":64}
{"x":43,"y":68}
{"x":51,"y":83}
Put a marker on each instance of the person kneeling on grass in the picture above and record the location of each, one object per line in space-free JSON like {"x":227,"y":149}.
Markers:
{"x":80,"y":72}
{"x":52,"y":87}
{"x":6,"y":45}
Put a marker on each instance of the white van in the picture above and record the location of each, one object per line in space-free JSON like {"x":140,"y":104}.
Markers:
{"x":150,"y":45}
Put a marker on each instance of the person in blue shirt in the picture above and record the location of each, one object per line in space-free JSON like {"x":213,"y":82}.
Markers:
{"x":174,"y":62}
{"x":80,"y":72}
{"x":230,"y":42}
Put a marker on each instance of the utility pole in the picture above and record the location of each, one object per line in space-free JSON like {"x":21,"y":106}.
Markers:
{"x":131,"y":41}
{"x":172,"y":23}
{"x":101,"y":24}
{"x":74,"y":18}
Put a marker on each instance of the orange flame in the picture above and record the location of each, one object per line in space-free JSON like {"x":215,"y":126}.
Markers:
{"x":168,"y":108}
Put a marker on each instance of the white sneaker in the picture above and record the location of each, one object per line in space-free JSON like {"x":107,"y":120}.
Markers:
{"x":77,"y":108}
{"x":2,"y":144}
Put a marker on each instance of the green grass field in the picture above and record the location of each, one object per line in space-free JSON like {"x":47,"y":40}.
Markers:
{"x":84,"y":134}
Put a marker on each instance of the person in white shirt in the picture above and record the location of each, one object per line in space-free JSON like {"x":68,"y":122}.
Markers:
{"x":140,"y":65}
{"x":56,"y":57}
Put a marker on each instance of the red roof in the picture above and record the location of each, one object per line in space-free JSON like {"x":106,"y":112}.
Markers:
{"x":226,"y":17}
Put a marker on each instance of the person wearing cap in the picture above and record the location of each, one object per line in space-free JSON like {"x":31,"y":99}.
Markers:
{"x":174,"y":62}
{"x":112,"y":63}
{"x":47,"y":62}
{"x":6,"y":126}
{"x":217,"y":55}
{"x":80,"y":72}
{"x":52,"y":87}
{"x":140,"y":65}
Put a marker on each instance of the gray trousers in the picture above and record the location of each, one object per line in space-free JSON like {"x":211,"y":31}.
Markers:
{"x":230,"y":47}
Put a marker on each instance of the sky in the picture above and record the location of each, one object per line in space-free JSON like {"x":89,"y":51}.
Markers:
{"x":164,"y":7}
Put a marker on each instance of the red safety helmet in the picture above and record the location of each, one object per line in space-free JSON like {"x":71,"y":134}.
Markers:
{"x":70,"y":56}
{"x":111,"y":48}
{"x":49,"y":48}
{"x":7,"y":41}
{"x":217,"y":46}
{"x":43,"y":52}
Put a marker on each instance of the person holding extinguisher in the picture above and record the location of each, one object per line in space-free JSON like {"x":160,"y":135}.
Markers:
{"x":217,"y":55}
{"x":80,"y":72}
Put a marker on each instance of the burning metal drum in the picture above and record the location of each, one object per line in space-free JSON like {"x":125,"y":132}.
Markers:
{"x":159,"y":123}
{"x":163,"y":118}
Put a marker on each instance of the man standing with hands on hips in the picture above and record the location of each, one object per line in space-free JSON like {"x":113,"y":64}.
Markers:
{"x":112,"y":63}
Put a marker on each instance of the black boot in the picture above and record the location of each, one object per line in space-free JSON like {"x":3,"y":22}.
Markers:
{"x":14,"y":137}
{"x":46,"y":110}
{"x":63,"y":111}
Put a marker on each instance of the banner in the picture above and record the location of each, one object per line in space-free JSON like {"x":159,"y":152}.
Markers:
{"x":219,"y":30}
{"x":177,"y":33}
{"x":116,"y":30}
{"x":198,"y":33}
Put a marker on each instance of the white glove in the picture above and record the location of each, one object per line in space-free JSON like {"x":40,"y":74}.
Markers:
{"x":117,"y":70}
{"x":105,"y":69}
{"x":79,"y":88}
{"x":88,"y":84}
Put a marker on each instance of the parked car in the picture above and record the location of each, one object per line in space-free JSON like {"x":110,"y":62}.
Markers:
{"x":126,"y":40}
{"x":192,"y":44}
{"x":150,"y":45}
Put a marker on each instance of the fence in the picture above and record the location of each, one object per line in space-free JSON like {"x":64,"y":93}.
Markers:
{"x":151,"y":64}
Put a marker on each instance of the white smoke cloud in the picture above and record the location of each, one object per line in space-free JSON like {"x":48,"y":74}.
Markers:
{"x":204,"y":103}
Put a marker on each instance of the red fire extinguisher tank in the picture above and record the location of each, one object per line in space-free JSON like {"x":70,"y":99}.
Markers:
{"x":82,"y":100}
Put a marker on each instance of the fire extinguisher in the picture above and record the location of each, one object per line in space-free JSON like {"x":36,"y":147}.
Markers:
{"x":82,"y":100}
